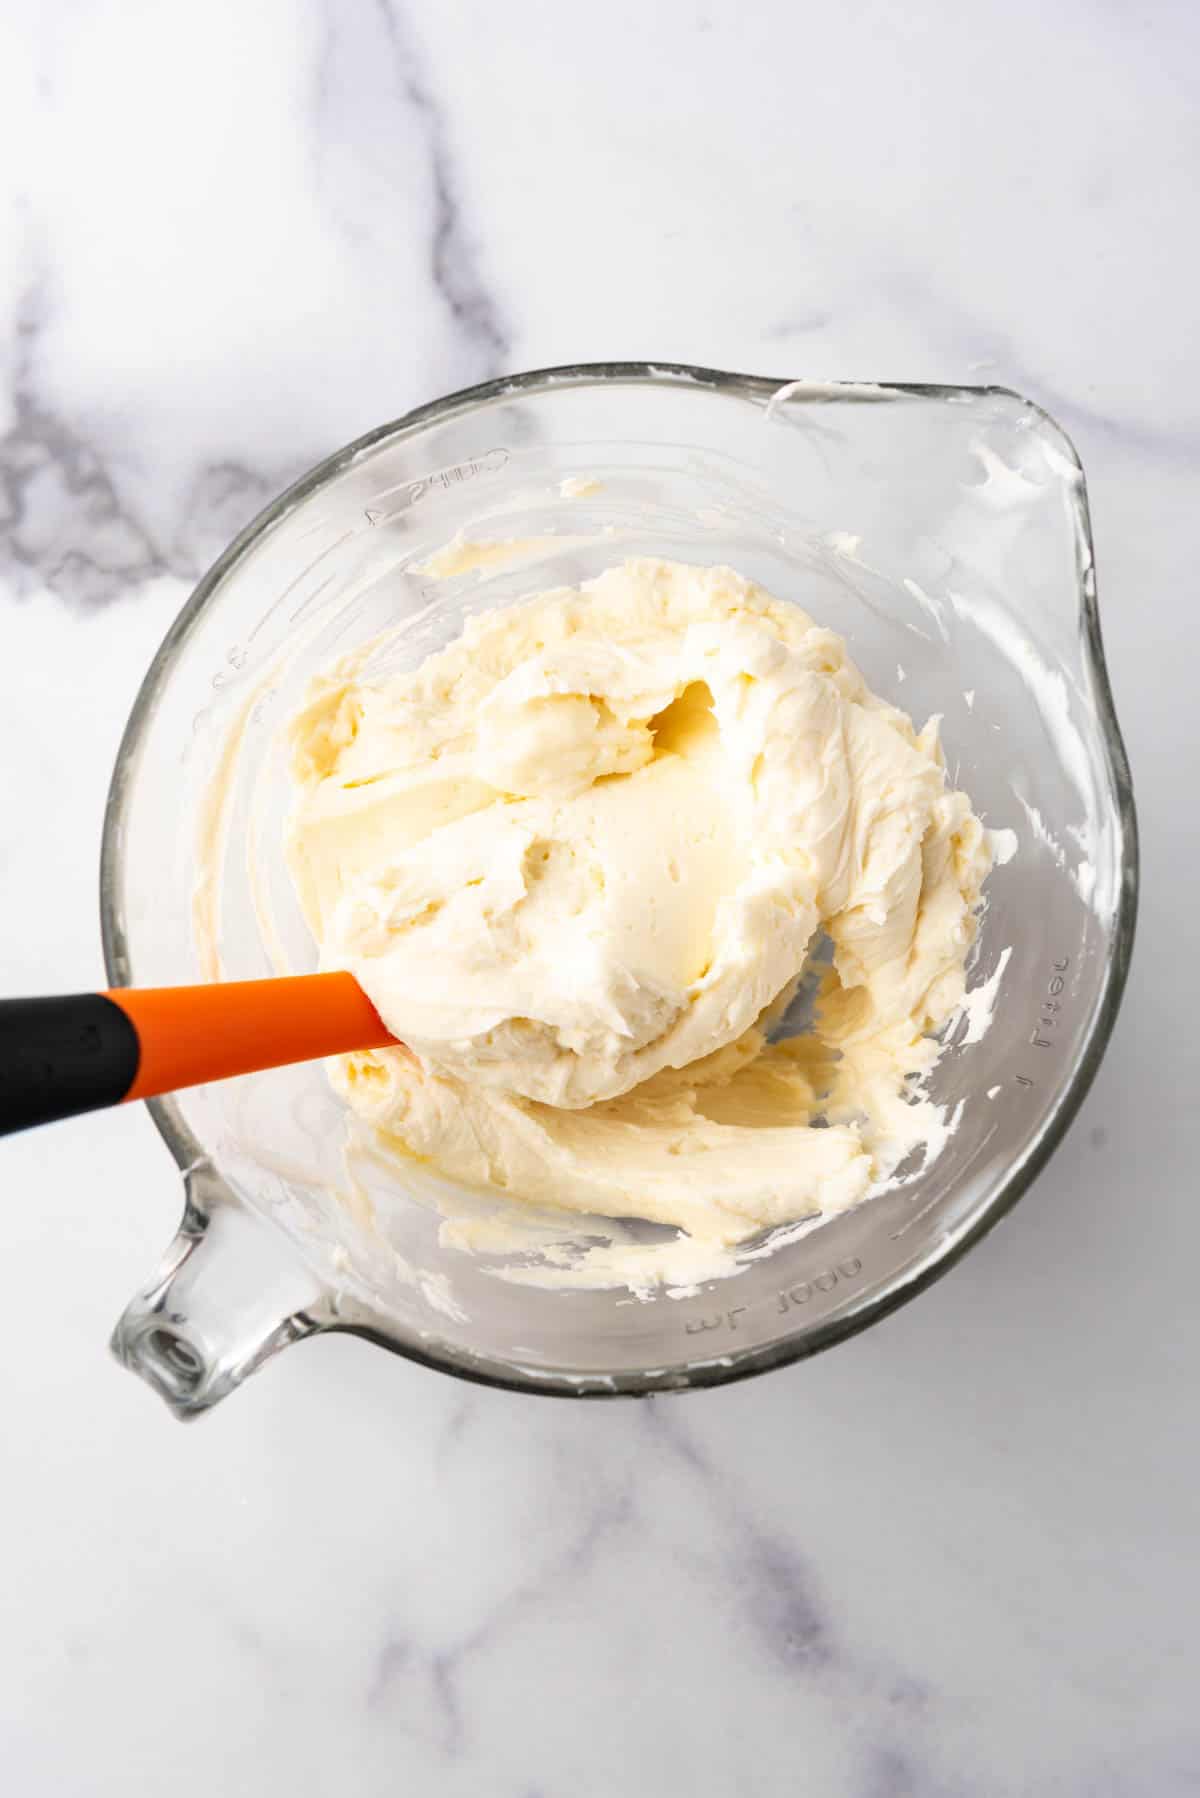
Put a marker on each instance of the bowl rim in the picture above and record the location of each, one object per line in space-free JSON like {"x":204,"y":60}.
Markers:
{"x":187,"y":1151}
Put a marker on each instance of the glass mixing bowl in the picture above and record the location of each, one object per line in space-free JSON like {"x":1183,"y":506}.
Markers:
{"x":943,"y":531}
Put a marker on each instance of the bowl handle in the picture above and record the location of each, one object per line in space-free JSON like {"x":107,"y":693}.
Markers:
{"x":231,"y":1293}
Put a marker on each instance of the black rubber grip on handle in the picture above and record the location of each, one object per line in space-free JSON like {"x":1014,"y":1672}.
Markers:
{"x":61,"y":1056}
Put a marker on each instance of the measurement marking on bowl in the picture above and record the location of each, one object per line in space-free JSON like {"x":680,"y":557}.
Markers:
{"x":916,"y":1216}
{"x":791,"y":1297}
{"x":1050,"y":1007}
{"x":822,"y":1282}
{"x":720,"y":1320}
{"x":410,"y":492}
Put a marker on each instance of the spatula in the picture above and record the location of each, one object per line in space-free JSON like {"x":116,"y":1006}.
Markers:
{"x":79,"y":1052}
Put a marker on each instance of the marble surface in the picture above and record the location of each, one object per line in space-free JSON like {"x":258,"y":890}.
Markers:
{"x":957,"y":1555}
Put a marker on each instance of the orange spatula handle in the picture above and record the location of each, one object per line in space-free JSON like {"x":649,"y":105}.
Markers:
{"x":81,"y":1051}
{"x":191,"y":1034}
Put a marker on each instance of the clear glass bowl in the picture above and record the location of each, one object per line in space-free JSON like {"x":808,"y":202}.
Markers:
{"x":943,"y":531}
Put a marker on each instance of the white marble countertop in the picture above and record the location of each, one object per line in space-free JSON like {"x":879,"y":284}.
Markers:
{"x":956,"y":1555}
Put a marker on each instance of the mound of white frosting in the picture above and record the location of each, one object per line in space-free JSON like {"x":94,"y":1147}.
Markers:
{"x":577,"y":855}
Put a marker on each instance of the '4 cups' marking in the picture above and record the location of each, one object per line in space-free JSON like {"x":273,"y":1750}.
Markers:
{"x":1042,"y":1035}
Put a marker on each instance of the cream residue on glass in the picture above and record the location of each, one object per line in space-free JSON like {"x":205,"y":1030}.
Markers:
{"x":592,"y":859}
